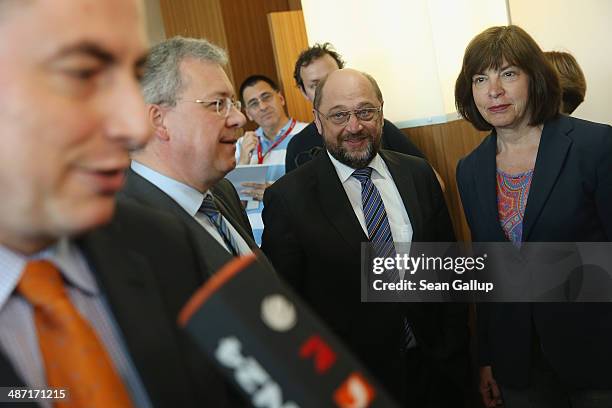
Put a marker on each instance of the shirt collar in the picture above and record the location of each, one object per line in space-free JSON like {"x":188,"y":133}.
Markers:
{"x":73,"y":265}
{"x":345,"y":172}
{"x":186,"y":196}
{"x":262,"y":138}
{"x":64,"y":254}
{"x":11,"y":265}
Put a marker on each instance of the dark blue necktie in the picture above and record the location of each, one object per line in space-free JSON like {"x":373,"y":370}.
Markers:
{"x":377,"y":223}
{"x":210,"y":209}
{"x":379,"y":234}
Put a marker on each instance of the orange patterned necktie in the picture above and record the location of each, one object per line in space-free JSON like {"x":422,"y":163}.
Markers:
{"x":73,"y":356}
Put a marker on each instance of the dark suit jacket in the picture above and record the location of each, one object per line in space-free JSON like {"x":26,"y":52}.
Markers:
{"x":213,"y":255}
{"x":570,"y":200}
{"x":299,"y":147}
{"x":313,"y":239}
{"x":146,"y":266}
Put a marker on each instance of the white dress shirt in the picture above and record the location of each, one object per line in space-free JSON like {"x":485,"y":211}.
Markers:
{"x":401,"y":228}
{"x":190,"y":200}
{"x":399,"y":222}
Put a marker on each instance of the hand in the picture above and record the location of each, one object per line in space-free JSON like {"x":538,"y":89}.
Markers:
{"x":489,"y":390}
{"x":248,"y":145}
{"x":256,"y":191}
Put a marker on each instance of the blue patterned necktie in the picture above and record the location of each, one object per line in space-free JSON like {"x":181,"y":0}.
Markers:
{"x":377,"y":223}
{"x":210,"y":209}
{"x":379,"y":234}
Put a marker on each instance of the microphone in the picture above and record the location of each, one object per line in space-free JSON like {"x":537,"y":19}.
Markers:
{"x":271,"y":347}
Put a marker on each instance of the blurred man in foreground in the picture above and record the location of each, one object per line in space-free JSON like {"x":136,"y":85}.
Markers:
{"x":87,"y":308}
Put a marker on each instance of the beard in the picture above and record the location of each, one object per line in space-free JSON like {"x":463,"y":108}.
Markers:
{"x":356,"y":159}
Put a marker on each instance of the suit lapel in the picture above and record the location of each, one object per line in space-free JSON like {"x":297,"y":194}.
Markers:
{"x":145,"y":192}
{"x":211,"y":252}
{"x":405,"y":185}
{"x":486,"y":186}
{"x":554,"y":145}
{"x":244,"y":234}
{"x":135,"y":299}
{"x":335,"y":203}
{"x":8,"y":375}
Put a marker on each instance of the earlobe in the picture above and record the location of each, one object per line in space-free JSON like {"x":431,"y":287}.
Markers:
{"x":162,"y":134}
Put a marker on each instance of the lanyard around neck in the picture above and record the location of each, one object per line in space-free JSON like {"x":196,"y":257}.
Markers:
{"x":261,"y":156}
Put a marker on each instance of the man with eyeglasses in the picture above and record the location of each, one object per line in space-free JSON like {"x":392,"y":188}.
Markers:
{"x":195,"y":118}
{"x":316,"y":218}
{"x":265,"y":105}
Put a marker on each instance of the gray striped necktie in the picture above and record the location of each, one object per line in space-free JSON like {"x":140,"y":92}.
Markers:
{"x":210,"y":209}
{"x":379,"y":234}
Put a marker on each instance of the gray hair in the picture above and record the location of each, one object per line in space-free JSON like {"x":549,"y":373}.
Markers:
{"x":162,"y":81}
{"x":318,"y":99}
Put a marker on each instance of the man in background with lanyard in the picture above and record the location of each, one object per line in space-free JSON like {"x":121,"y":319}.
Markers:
{"x":264,"y":105}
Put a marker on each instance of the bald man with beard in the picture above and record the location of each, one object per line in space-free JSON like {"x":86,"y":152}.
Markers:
{"x":314,"y":227}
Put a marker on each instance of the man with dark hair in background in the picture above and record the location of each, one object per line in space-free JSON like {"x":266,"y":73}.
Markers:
{"x":89,"y":290}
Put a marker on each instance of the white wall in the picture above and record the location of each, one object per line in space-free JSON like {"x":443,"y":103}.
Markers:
{"x":413,"y":48}
{"x":583,"y":28}
{"x":454,"y":25}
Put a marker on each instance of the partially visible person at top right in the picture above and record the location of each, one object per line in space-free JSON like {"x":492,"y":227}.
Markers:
{"x":571,"y":78}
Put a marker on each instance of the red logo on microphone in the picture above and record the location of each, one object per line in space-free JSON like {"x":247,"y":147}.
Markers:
{"x":355,"y":392}
{"x":324,"y":356}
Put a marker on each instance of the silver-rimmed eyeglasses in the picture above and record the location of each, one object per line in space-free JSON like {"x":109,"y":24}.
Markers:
{"x":223,"y":106}
{"x":342,"y":117}
{"x":256,"y":102}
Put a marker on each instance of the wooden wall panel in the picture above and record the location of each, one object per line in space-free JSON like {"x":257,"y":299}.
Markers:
{"x":444,"y":145}
{"x":295,"y":4}
{"x":248,"y":36}
{"x":194,"y":18}
{"x":198,"y":19}
{"x":288,"y":34}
